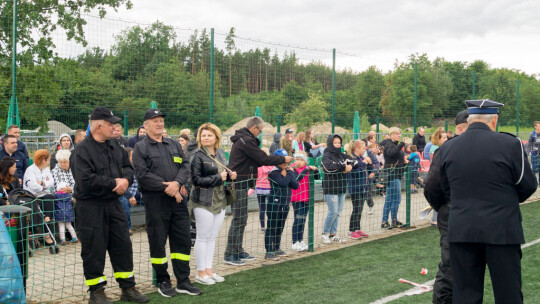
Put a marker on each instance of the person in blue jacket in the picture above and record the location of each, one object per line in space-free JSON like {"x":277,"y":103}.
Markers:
{"x":357,"y":186}
{"x":282,"y":180}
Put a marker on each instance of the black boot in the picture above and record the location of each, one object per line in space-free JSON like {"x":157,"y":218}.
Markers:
{"x":98,"y":296}
{"x":133,"y":295}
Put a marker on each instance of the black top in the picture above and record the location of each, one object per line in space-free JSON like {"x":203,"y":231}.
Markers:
{"x":95,"y":166}
{"x":205,"y":176}
{"x":333,"y":164}
{"x":485,"y":175}
{"x":246,"y":156}
{"x":158,"y":162}
{"x":122,"y":141}
{"x":419,"y":141}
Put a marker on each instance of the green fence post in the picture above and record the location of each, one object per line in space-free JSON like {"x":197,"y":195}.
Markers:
{"x":125,"y":122}
{"x":415,"y":93}
{"x":258,"y":114}
{"x":279,"y":123}
{"x":333,"y":90}
{"x":517,"y":109}
{"x":446,"y":125}
{"x":408,"y":196}
{"x":377,"y":129}
{"x":473,"y":84}
{"x":311,"y":216}
{"x":13,"y":113}
{"x":212,"y":75}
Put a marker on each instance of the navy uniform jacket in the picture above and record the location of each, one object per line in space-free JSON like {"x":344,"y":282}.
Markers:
{"x":485,"y":175}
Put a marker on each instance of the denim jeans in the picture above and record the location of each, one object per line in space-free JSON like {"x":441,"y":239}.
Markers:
{"x":300,"y":214}
{"x":335,"y":206}
{"x":277,"y":214}
{"x":392,"y":200}
{"x":125,"y":205}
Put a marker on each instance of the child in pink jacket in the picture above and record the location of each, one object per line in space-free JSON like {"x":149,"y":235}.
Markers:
{"x":300,"y":201}
{"x":262,"y":189}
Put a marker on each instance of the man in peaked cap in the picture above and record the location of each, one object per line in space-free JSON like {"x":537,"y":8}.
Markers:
{"x":162,"y":171}
{"x":442,"y":288}
{"x":485,"y":175}
{"x":102,"y":173}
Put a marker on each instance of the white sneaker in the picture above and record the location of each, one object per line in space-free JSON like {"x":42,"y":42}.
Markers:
{"x":297,"y":246}
{"x":206,"y":280}
{"x":325,"y":238}
{"x":305,"y":247}
{"x":216,"y":277}
{"x":371,"y":210}
{"x":336,"y":239}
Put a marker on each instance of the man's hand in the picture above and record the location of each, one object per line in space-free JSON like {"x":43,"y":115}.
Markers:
{"x":121,"y":186}
{"x":313,"y":168}
{"x":288,"y":159}
{"x":224,"y":175}
{"x":233,"y":175}
{"x":283,"y":172}
{"x":371,"y":175}
{"x":66,"y":190}
{"x":348,"y":169}
{"x":132,"y":201}
{"x":172,"y":188}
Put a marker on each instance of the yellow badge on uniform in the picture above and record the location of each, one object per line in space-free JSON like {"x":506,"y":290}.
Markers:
{"x":177,"y":160}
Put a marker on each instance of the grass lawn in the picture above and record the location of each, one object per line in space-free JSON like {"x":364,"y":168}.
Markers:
{"x":359,"y":274}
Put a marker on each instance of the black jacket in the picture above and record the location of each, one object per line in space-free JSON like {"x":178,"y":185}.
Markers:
{"x":156,"y":163}
{"x":394,"y":158}
{"x":246,"y":157}
{"x":135,"y":138}
{"x":333,"y":163}
{"x":419,"y":141}
{"x":205,"y":176}
{"x":485,"y":175}
{"x":95,"y":166}
{"x":281,"y":186}
{"x":433,"y":191}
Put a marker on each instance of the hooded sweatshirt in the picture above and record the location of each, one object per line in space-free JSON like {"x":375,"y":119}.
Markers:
{"x":246,"y":157}
{"x":276,"y":144}
{"x":53,"y":161}
{"x":333,"y":163}
{"x":136,"y":138}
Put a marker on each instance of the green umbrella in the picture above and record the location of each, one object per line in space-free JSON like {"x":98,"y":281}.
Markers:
{"x":356,"y":125}
{"x":13,"y":113}
{"x":258,"y":114}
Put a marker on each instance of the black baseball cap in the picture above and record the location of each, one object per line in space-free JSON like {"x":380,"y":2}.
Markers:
{"x":289,"y":131}
{"x":104,"y":113}
{"x":151,"y":113}
{"x":462,"y":116}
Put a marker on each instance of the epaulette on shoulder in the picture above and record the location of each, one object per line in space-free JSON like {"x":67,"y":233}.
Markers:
{"x":508,"y":134}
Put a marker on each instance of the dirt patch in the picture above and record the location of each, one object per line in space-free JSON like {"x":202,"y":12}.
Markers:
{"x":320,"y":128}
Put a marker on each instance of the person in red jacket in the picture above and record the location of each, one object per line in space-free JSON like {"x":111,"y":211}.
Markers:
{"x":300,"y":201}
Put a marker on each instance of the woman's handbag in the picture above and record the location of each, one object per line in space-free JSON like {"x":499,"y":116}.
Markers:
{"x":386,"y":174}
{"x":230,"y":193}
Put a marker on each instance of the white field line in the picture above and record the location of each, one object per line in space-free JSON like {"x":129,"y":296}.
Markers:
{"x":430,"y":283}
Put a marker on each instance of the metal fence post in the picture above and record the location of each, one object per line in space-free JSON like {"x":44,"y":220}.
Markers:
{"x":446,"y":125}
{"x":473,"y":84}
{"x":212,"y":75}
{"x":408,"y":196}
{"x":517,"y":108}
{"x":125,"y":122}
{"x":279,"y":123}
{"x":333,"y":90}
{"x":378,"y":129}
{"x":311,"y":216}
{"x":415,"y":94}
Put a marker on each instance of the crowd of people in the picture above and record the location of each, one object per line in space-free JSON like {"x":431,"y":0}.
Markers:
{"x":191,"y":179}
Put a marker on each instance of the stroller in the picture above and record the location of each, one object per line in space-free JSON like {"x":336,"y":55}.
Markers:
{"x":28,"y":199}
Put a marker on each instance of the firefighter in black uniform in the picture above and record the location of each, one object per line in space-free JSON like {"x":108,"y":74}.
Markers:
{"x":102,"y":173}
{"x":485,"y":175}
{"x":162,"y":171}
{"x":442,"y":288}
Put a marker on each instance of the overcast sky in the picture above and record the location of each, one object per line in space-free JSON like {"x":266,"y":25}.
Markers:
{"x":504,"y":33}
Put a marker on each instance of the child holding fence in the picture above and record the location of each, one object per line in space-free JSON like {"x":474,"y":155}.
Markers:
{"x":262,"y":189}
{"x":300,"y":200}
{"x":282,"y":180}
{"x":414,"y":160}
{"x":358,"y":186}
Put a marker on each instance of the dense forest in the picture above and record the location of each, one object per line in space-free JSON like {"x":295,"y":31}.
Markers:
{"x":149,"y":63}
